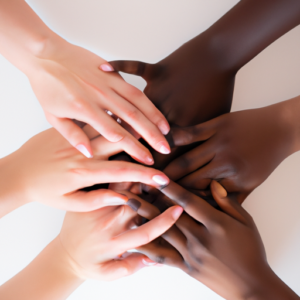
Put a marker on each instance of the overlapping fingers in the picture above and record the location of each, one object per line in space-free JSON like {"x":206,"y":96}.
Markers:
{"x":148,"y":232}
{"x":182,"y":136}
{"x":195,"y":206}
{"x":190,"y":161}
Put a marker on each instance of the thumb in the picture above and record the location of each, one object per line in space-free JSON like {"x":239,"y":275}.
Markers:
{"x":128,"y":66}
{"x":129,"y":265}
{"x":228,"y":205}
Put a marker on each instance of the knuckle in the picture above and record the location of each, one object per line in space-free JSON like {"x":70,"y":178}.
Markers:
{"x":132,"y":113}
{"x":134,"y":92}
{"x":218,"y":227}
{"x":184,"y":162}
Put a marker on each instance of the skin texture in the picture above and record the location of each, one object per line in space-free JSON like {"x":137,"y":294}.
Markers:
{"x":90,"y":245}
{"x":221,"y":249}
{"x":241,"y":149}
{"x":195,"y":84}
{"x":69,"y":84}
{"x":48,"y":158}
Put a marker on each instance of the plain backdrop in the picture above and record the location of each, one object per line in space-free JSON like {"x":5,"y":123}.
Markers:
{"x":149,"y":30}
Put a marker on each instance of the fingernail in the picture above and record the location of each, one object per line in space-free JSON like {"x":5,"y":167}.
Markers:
{"x":81,"y":148}
{"x":219,"y":189}
{"x":164,"y":129}
{"x":160,"y":180}
{"x":177,"y":212}
{"x":114,"y":201}
{"x":134,"y":204}
{"x":149,"y":160}
{"x":149,"y":262}
{"x":163,"y":149}
{"x":106,"y":68}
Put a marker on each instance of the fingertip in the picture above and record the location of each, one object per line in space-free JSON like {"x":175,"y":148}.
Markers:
{"x":162,"y":180}
{"x":163,"y":147}
{"x":164,"y":127}
{"x":106,"y":67}
{"x":177,"y":211}
{"x":86,"y":151}
{"x":218,"y":189}
{"x":148,"y":262}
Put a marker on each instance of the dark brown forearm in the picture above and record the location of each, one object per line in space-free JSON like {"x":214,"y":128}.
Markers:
{"x":250,"y":27}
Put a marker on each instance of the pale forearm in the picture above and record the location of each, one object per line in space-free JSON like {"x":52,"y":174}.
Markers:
{"x":48,"y":276}
{"x":23,"y":35}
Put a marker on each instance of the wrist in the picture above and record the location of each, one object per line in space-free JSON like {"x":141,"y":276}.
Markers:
{"x":269,"y":286}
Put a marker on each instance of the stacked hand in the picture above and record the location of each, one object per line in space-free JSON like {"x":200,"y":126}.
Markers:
{"x":48,"y":169}
{"x":240,"y":149}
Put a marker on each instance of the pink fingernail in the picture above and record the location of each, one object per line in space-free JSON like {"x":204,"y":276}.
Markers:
{"x":81,"y":148}
{"x":149,"y":262}
{"x":177,"y":212}
{"x":149,"y":160}
{"x":106,"y":68}
{"x":164,"y":150}
{"x":164,"y":129}
{"x":160,"y":180}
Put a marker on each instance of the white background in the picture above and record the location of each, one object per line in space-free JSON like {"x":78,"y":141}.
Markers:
{"x":149,"y":30}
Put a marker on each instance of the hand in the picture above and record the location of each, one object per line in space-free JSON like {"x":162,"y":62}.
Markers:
{"x":190,"y":86}
{"x":90,"y":245}
{"x":69,"y":84}
{"x":96,"y":241}
{"x":240,"y":149}
{"x":223,"y":249}
{"x":49,"y":170}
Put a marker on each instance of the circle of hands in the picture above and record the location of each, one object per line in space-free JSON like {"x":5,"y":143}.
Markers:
{"x":186,"y":211}
{"x":189,"y":214}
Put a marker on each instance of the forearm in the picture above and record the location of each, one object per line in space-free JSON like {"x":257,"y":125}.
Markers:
{"x":48,"y":276}
{"x":23,"y":35}
{"x":270,"y":287}
{"x":249,"y":27}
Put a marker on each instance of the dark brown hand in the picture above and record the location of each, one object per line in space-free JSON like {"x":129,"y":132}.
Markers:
{"x":241,"y":149}
{"x":195,"y":83}
{"x":223,"y":249}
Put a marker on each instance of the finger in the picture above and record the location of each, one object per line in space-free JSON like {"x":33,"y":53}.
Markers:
{"x":195,"y":206}
{"x":148,"y":232}
{"x":113,"y":132}
{"x":144,"y":105}
{"x":95,"y":172}
{"x":229,"y":206}
{"x":90,"y":131}
{"x":190,"y":161}
{"x":139,"y":205}
{"x":72,"y":133}
{"x":162,"y":252}
{"x":88,"y":201}
{"x":116,"y":269}
{"x":136,"y":119}
{"x":201,"y":178}
{"x":188,"y":135}
{"x":131,"y":67}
